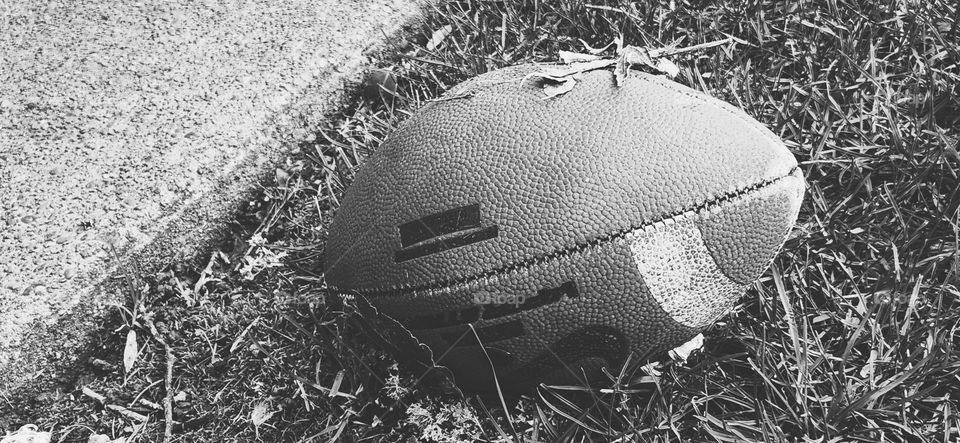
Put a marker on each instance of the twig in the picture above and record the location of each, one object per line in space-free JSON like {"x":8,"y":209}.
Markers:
{"x":100,"y":398}
{"x":144,"y":391}
{"x":150,"y":404}
{"x":669,"y":51}
{"x":167,"y":383}
{"x":93,"y":394}
{"x":127,"y":413}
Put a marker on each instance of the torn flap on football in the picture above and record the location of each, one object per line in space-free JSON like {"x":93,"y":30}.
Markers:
{"x":407,"y":349}
{"x":561,"y":78}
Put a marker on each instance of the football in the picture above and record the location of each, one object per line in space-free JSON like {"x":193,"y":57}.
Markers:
{"x":539,"y":238}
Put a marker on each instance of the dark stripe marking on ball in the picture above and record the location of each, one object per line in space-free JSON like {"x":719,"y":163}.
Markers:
{"x":435,"y":233}
{"x":446,"y":222}
{"x":491,"y":311}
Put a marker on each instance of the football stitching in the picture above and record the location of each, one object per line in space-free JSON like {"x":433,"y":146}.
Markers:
{"x":560,"y":253}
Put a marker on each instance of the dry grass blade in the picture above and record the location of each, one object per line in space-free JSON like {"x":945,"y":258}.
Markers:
{"x":570,"y":410}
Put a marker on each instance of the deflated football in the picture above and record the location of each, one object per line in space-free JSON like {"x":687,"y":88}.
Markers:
{"x":563,"y":233}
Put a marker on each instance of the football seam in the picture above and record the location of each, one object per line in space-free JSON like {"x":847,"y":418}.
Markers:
{"x":567,"y":251}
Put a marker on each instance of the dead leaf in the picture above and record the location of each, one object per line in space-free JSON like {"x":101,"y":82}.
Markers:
{"x":667,"y":67}
{"x":93,"y":394}
{"x":560,"y":80}
{"x":555,"y":90}
{"x":282,"y":177}
{"x":98,"y":438}
{"x":682,"y":352}
{"x":259,"y":416}
{"x":560,"y":74}
{"x":575,"y":57}
{"x":130,"y":351}
{"x":335,"y":389}
{"x":631,"y":56}
{"x":596,"y":51}
{"x":438,"y":36}
{"x":628,"y":56}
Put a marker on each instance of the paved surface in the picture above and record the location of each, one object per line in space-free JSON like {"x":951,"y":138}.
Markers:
{"x":144,"y":124}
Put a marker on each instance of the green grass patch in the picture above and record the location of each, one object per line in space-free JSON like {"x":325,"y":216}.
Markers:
{"x":850,"y":336}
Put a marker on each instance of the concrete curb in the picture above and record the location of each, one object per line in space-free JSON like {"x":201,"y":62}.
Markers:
{"x":144,"y":127}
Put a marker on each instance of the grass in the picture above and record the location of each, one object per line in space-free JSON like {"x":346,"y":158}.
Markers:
{"x":850,"y":336}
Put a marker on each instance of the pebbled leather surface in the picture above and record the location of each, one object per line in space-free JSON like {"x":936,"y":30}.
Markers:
{"x":744,"y":237}
{"x":680,"y":273}
{"x":551,"y":174}
{"x":644,"y":291}
{"x":612,"y":296}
